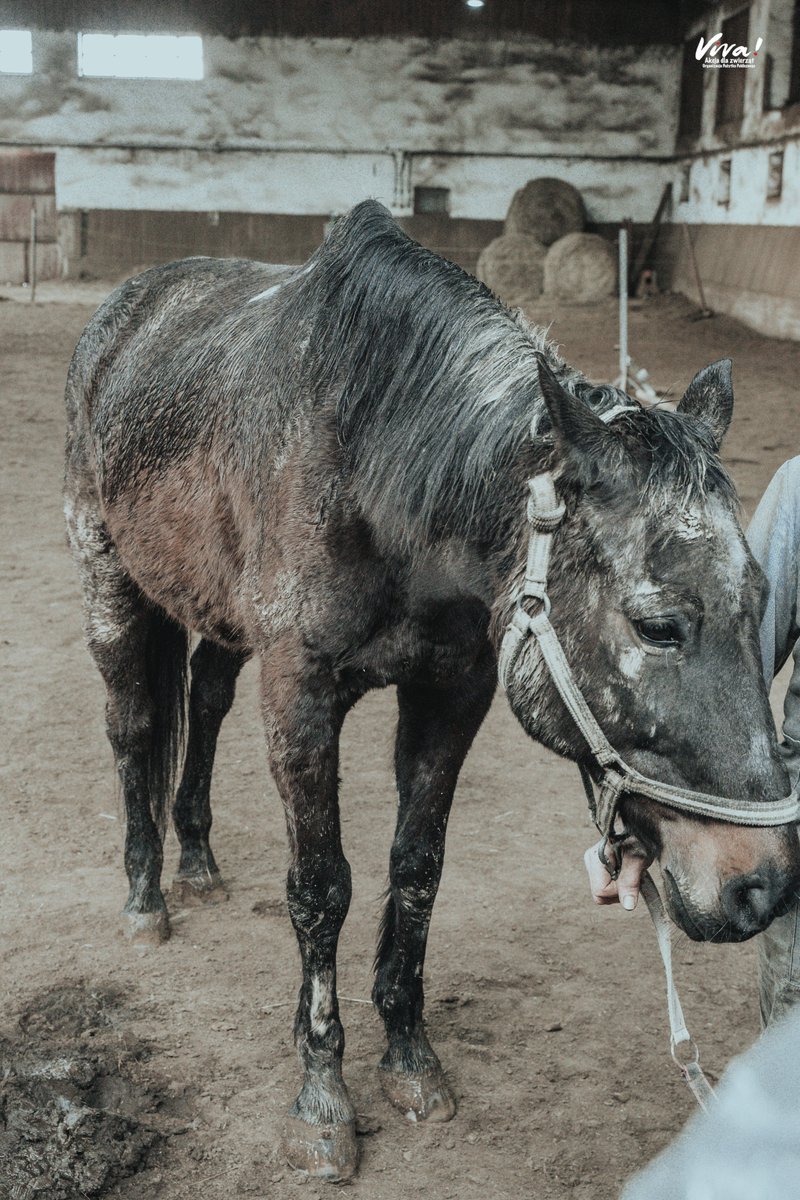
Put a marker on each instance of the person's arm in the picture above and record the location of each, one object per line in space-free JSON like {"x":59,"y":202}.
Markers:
{"x":774,"y":537}
{"x":790,"y":746}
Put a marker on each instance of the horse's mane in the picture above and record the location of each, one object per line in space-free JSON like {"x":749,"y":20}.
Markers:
{"x":437,"y":384}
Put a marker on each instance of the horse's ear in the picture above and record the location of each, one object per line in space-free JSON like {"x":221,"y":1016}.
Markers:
{"x":579,"y":434}
{"x":709,"y":398}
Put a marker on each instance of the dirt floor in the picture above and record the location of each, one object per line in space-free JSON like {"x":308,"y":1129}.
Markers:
{"x":165,"y":1073}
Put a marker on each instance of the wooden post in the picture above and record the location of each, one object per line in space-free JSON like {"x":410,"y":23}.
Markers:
{"x":704,"y":309}
{"x":650,"y":236}
{"x":32,"y":268}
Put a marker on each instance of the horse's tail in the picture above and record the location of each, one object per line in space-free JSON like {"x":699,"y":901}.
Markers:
{"x":166,"y":665}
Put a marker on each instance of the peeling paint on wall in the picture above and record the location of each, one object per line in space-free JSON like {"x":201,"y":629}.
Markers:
{"x":218,"y":142}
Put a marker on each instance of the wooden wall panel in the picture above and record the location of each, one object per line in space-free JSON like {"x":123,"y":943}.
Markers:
{"x":27,"y":171}
{"x":14,"y":262}
{"x":111,"y":243}
{"x":15,"y":217}
{"x":752,"y":258}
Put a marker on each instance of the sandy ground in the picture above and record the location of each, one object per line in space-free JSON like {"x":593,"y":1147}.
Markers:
{"x":547,"y":1012}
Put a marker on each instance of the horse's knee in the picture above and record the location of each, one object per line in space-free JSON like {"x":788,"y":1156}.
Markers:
{"x":129,"y":725}
{"x":414,"y":874}
{"x":318,"y":897}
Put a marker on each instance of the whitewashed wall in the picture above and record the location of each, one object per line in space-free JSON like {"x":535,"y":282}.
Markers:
{"x":310,"y":126}
{"x":761,"y":132}
{"x":748,"y":203}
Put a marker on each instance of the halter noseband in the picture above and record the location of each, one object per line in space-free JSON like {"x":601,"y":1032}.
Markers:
{"x":545,"y":515}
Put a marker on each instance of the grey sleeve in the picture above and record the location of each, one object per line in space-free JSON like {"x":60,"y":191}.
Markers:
{"x":774,"y":537}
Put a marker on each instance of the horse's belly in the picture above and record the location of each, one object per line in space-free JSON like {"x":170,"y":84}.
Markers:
{"x":178,"y":539}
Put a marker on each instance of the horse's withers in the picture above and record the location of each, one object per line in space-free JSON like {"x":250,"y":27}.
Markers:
{"x":665,"y":648}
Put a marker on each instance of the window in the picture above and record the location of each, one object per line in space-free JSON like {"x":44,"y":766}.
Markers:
{"x":16,"y":52}
{"x":730,"y":81}
{"x":724,"y":183}
{"x":141,"y":55}
{"x":685,"y":183}
{"x":794,"y":68}
{"x":775,"y":175}
{"x":691,"y":110}
{"x":431,"y":200}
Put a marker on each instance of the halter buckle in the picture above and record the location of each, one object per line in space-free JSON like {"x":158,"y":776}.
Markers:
{"x":538,"y":597}
{"x":615,"y":840}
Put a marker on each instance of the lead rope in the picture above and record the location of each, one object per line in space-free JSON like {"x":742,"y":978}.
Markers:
{"x":679,"y":1035}
{"x":689,"y":1066}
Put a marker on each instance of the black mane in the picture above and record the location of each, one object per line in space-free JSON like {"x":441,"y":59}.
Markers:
{"x":438,"y":389}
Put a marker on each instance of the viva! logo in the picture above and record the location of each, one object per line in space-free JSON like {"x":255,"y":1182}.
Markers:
{"x":716,"y":47}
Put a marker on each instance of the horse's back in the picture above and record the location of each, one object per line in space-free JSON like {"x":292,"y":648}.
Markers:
{"x":162,"y":356}
{"x":188,"y":299}
{"x":160,"y":399}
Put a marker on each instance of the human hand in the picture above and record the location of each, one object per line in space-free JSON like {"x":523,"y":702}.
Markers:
{"x":625,"y":888}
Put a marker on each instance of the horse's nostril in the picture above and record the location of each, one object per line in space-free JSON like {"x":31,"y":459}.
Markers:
{"x":750,"y":900}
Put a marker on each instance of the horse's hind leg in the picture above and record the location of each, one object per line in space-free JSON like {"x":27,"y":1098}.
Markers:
{"x":435,"y":731}
{"x":214,"y":674}
{"x":141,"y":655}
{"x":303,"y":716}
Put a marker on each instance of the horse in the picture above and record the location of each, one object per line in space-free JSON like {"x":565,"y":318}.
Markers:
{"x":324,"y":467}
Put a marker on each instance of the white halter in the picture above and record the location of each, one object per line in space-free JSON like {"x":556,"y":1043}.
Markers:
{"x":545,"y":514}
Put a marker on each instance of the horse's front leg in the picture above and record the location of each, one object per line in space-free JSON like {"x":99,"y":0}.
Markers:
{"x":435,"y":731}
{"x":303,"y":717}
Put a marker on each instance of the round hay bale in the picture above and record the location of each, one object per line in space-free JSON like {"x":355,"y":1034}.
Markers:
{"x":581,"y":267}
{"x":546,"y":209}
{"x":513,"y":267}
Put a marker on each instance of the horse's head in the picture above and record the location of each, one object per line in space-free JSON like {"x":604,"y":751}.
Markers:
{"x":656,"y":600}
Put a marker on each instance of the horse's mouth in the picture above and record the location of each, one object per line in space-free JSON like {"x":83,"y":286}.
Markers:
{"x":701,"y":928}
{"x":677,"y":908}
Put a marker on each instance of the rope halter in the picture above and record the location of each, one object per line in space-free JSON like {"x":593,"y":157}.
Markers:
{"x":545,"y":515}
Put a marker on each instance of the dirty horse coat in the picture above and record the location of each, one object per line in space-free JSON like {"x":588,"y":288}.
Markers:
{"x":325,"y":468}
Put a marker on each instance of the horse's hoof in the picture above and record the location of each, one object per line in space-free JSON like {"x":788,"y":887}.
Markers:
{"x":191,"y":890}
{"x":322,"y":1151}
{"x":420,"y":1096}
{"x":146,"y":929}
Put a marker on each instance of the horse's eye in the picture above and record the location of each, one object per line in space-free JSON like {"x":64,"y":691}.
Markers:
{"x":659,"y":631}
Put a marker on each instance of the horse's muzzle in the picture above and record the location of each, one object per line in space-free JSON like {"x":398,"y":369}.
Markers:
{"x":748,"y":904}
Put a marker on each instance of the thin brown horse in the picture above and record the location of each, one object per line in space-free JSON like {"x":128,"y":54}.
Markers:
{"x":325,"y":468}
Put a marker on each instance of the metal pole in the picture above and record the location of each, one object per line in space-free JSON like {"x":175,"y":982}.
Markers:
{"x":33,"y":254}
{"x":623,"y":308}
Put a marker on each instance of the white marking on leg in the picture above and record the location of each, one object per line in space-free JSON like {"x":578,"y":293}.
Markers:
{"x":320,"y":1007}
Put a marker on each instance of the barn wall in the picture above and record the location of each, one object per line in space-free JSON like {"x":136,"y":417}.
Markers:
{"x":27,"y":186}
{"x":110,"y":242}
{"x":749,"y":271}
{"x":304,"y":128}
{"x":746,"y":242}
